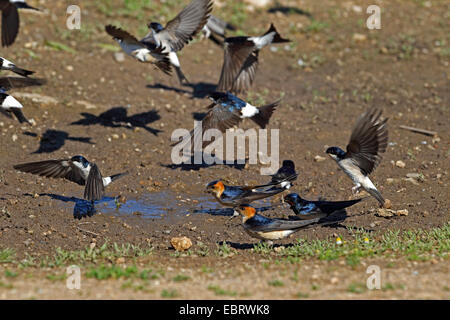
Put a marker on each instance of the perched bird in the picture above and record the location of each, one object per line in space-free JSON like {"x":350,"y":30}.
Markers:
{"x":9,"y":104}
{"x":179,"y":31}
{"x":264,"y":228}
{"x":306,"y":209}
{"x":76,"y":169}
{"x":241,"y":60}
{"x":144,"y":52}
{"x":226,"y":111}
{"x":215,"y":29}
{"x":8,"y":65}
{"x":10,"y":19}
{"x":368,"y":140}
{"x":232,"y":196}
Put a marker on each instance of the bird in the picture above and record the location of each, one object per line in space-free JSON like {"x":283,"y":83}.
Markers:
{"x":215,"y":29}
{"x":232,"y":196}
{"x":226,"y":111}
{"x":10,"y":19}
{"x":241,"y":60}
{"x":306,"y":209}
{"x":267,"y":229}
{"x":8,"y":65}
{"x":368,"y":140}
{"x":143,"y":52}
{"x":76,"y":169}
{"x":9,"y":104}
{"x":179,"y":31}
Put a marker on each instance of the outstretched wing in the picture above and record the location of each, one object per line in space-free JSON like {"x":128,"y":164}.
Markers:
{"x":368,"y":140}
{"x":94,"y":189}
{"x":180,"y":30}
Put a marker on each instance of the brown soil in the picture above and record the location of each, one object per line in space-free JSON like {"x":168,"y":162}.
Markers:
{"x":402,"y":68}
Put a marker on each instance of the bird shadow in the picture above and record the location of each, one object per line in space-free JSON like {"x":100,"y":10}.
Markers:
{"x":53,"y":140}
{"x":82,"y":208}
{"x":117,"y":117}
{"x":199,"y":90}
{"x":191,"y":165}
{"x":287,"y":10}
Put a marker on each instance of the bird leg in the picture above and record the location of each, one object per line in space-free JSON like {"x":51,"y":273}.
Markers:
{"x":356,"y":189}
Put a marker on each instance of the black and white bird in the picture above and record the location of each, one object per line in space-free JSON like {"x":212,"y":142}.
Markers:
{"x":179,"y":31}
{"x":215,"y":29}
{"x":143,"y":52}
{"x":368,"y":140}
{"x":241,"y":60}
{"x":76,"y":169}
{"x":9,"y":104}
{"x":10,"y":19}
{"x":8,"y":65}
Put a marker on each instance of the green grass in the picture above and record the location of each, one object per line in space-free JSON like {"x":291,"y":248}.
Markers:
{"x":414,"y":244}
{"x":7,"y":255}
{"x":103,"y":272}
{"x":357,"y":287}
{"x":181,"y":278}
{"x":276,"y":283}
{"x":221,"y":292}
{"x":169,"y":294}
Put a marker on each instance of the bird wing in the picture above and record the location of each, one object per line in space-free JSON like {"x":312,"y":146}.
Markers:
{"x":8,"y":83}
{"x":247,"y":74}
{"x":238,"y":54}
{"x":369,"y":138}
{"x":282,"y":225}
{"x":180,"y":30}
{"x":63,"y":168}
{"x":94,"y":189}
{"x":119,"y":34}
{"x":10,"y":24}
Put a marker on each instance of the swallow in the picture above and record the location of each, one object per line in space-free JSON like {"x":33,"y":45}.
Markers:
{"x":179,"y":31}
{"x":9,"y":104}
{"x":264,"y":228}
{"x":10,"y":19}
{"x":215,"y":29}
{"x":143,"y":52}
{"x":76,"y":169}
{"x":8,"y":65}
{"x":368,"y":140}
{"x":227,"y":111}
{"x":241,"y":60}
{"x":232,"y":196}
{"x":306,"y":209}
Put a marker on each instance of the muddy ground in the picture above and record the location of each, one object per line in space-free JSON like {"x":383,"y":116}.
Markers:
{"x":121,"y":116}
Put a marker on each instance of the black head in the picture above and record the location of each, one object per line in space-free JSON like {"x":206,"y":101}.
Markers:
{"x":292,"y":199}
{"x":218,"y":97}
{"x":157,"y":27}
{"x":288,"y":164}
{"x":335,"y":152}
{"x":80,"y":159}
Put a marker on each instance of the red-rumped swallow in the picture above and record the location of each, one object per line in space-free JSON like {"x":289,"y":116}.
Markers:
{"x":179,"y":31}
{"x":232,"y":196}
{"x":76,"y":169}
{"x":306,"y":209}
{"x":143,"y":52}
{"x":241,"y":60}
{"x":260,"y":227}
{"x":368,"y":140}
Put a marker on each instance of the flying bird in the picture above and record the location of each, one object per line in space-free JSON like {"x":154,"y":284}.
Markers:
{"x":10,"y":19}
{"x":9,"y":104}
{"x":306,"y":209}
{"x":215,"y":29}
{"x":226,"y":111}
{"x":179,"y":31}
{"x":232,"y":196}
{"x":8,"y":65}
{"x":264,"y":228}
{"x":76,"y":169}
{"x":241,"y":60}
{"x":143,"y":52}
{"x":368,"y":140}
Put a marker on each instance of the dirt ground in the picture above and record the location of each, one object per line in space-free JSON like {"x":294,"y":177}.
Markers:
{"x":121,"y":115}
